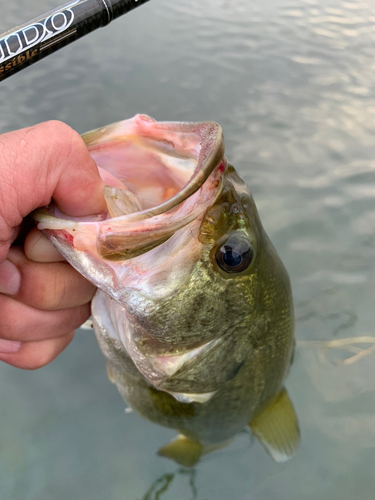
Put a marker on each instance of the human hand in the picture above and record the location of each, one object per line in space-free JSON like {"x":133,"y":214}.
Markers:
{"x":42,"y":298}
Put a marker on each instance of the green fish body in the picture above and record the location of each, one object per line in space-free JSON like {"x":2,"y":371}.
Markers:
{"x":194,"y":310}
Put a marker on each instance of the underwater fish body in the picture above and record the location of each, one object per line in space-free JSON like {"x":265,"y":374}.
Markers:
{"x":194,"y":309}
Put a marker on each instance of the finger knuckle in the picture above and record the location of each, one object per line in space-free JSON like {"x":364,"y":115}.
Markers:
{"x":9,"y":327}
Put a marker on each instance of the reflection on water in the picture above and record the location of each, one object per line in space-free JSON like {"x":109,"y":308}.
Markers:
{"x":292,"y":84}
{"x":163,"y":483}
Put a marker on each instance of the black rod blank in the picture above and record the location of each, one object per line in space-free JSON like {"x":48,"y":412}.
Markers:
{"x":32,"y":41}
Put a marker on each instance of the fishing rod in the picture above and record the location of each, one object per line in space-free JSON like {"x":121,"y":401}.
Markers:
{"x":23,"y":45}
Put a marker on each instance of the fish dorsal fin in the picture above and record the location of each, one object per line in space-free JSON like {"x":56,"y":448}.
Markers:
{"x":182,"y":450}
{"x":120,"y":201}
{"x":276,"y":427}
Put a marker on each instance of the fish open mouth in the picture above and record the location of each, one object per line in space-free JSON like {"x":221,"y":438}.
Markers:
{"x":163,"y":162}
{"x":173,"y":169}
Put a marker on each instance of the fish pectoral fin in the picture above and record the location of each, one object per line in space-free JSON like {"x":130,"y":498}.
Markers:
{"x":120,"y":201}
{"x":110,"y":374}
{"x":276,"y":427}
{"x":182,"y":450}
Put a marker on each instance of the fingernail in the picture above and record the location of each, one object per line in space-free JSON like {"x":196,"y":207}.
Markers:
{"x":9,"y":346}
{"x":10,"y":278}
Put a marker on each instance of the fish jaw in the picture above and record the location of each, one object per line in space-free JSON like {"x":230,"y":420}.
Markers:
{"x":183,"y":161}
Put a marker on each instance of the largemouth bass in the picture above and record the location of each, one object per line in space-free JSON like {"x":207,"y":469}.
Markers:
{"x":194,"y":309}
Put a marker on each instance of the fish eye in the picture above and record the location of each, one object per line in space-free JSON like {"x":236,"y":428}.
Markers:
{"x":235,"y":255}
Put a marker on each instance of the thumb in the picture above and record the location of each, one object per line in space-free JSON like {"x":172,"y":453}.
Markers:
{"x":41,"y":163}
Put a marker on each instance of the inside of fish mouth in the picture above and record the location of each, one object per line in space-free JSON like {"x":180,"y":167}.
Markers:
{"x":131,"y":171}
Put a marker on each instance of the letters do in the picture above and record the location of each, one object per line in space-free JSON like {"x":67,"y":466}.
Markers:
{"x":34,"y":34}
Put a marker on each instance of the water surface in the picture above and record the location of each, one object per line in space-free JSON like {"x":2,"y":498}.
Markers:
{"x":292,"y":84}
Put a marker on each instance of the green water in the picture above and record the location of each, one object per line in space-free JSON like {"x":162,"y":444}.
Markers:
{"x":293,"y":85}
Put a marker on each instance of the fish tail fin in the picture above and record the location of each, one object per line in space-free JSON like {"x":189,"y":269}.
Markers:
{"x":276,"y":427}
